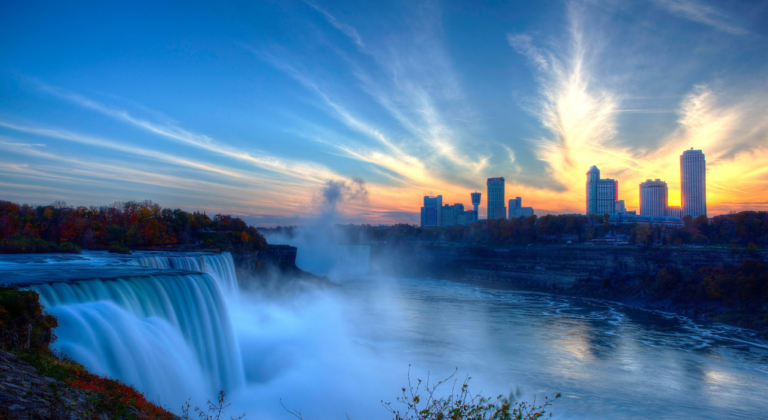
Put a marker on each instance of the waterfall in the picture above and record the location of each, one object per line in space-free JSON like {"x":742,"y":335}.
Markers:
{"x":143,"y":329}
{"x":149,"y":354}
{"x":221,"y":267}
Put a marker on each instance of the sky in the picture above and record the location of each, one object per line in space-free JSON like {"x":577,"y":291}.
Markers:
{"x":265,"y":109}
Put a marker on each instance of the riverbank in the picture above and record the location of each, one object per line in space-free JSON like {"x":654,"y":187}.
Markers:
{"x":705,"y":284}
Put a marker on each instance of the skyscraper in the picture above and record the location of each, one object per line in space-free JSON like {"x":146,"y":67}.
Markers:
{"x":601,"y":193}
{"x":653,"y":198}
{"x":431,"y":212}
{"x":476,"y":204}
{"x":496,"y":208}
{"x":593,"y":175}
{"x":693,"y":183}
{"x":516,"y":209}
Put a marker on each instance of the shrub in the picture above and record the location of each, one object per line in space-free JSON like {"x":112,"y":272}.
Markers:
{"x":118,"y":248}
{"x":23,"y":322}
{"x":421,"y":404}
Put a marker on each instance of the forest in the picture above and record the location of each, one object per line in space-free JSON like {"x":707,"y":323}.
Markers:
{"x":118,"y":227}
{"x":746,"y":229}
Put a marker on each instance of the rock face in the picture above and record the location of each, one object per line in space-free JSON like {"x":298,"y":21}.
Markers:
{"x":23,"y":323}
{"x":26,"y":394}
{"x":274,"y":258}
{"x":548,"y":265}
{"x":273,"y":267}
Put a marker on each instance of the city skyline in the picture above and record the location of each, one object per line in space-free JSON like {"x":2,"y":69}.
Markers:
{"x":255,"y":109}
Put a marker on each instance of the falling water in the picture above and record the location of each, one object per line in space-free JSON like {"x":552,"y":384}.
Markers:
{"x":160,"y":322}
{"x":191,"y":305}
{"x":220,"y":267}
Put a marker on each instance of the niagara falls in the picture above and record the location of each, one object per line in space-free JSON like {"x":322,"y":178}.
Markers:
{"x":388,"y":210}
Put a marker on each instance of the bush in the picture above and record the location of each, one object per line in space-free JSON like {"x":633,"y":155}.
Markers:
{"x":18,"y":244}
{"x":462,"y":404}
{"x":117,"y":248}
{"x":421,"y":404}
{"x":24,"y":324}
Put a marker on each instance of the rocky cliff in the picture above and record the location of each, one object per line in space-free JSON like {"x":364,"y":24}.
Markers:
{"x":271,"y":267}
{"x":560,"y":265}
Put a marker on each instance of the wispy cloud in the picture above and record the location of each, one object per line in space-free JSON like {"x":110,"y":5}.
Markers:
{"x":702,"y":13}
{"x":346,"y":29}
{"x":581,"y":115}
{"x":307,"y":171}
{"x":410,"y":77}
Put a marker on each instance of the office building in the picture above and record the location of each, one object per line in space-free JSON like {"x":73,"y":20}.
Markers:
{"x":620,"y":207}
{"x":450,"y":214}
{"x":496,"y":208}
{"x":653,"y":198}
{"x":516,"y":209}
{"x":601,"y":193}
{"x":466,"y":217}
{"x":675,"y":211}
{"x":693,"y":183}
{"x":432,"y":211}
{"x":475,"y":204}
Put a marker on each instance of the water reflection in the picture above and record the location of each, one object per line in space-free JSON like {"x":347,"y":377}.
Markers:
{"x":610,"y":361}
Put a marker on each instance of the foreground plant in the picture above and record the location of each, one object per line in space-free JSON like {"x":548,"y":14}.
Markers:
{"x":422,"y":404}
{"x":213,"y":412}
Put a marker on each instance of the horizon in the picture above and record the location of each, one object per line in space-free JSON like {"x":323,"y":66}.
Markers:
{"x":278,"y":112}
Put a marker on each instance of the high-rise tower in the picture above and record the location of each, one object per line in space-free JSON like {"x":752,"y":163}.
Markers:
{"x":653,"y":198}
{"x":693,"y":183}
{"x":601,"y":193}
{"x":496,"y":207}
{"x":476,"y":203}
{"x":593,"y":175}
{"x":431,"y":213}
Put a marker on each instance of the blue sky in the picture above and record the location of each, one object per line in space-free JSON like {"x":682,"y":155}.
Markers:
{"x":255,"y":108}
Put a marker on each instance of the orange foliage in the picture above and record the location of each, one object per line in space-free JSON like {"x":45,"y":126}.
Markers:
{"x":116,"y":396}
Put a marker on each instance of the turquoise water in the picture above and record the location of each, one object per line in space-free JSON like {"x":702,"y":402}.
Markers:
{"x":175,"y":326}
{"x":608,"y":361}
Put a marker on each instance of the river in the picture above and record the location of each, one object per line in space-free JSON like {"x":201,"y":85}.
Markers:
{"x":341,"y":351}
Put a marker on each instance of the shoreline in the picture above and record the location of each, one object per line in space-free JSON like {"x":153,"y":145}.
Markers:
{"x":761,"y":335}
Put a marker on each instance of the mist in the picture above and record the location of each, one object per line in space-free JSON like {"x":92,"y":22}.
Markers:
{"x":333,"y":352}
{"x":323,"y":249}
{"x":341,"y":351}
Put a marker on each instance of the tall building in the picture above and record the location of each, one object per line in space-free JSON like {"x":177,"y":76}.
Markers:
{"x":601,"y":193}
{"x":496,"y":208}
{"x":450,"y":214}
{"x":693,"y":183}
{"x":475,"y":204}
{"x":466,"y":217}
{"x":653,"y":198}
{"x":432,"y":211}
{"x":675,"y":211}
{"x":620,"y":207}
{"x":516,"y":209}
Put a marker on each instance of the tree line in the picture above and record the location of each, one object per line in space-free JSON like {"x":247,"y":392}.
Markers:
{"x":748,"y":229}
{"x":118,"y":227}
